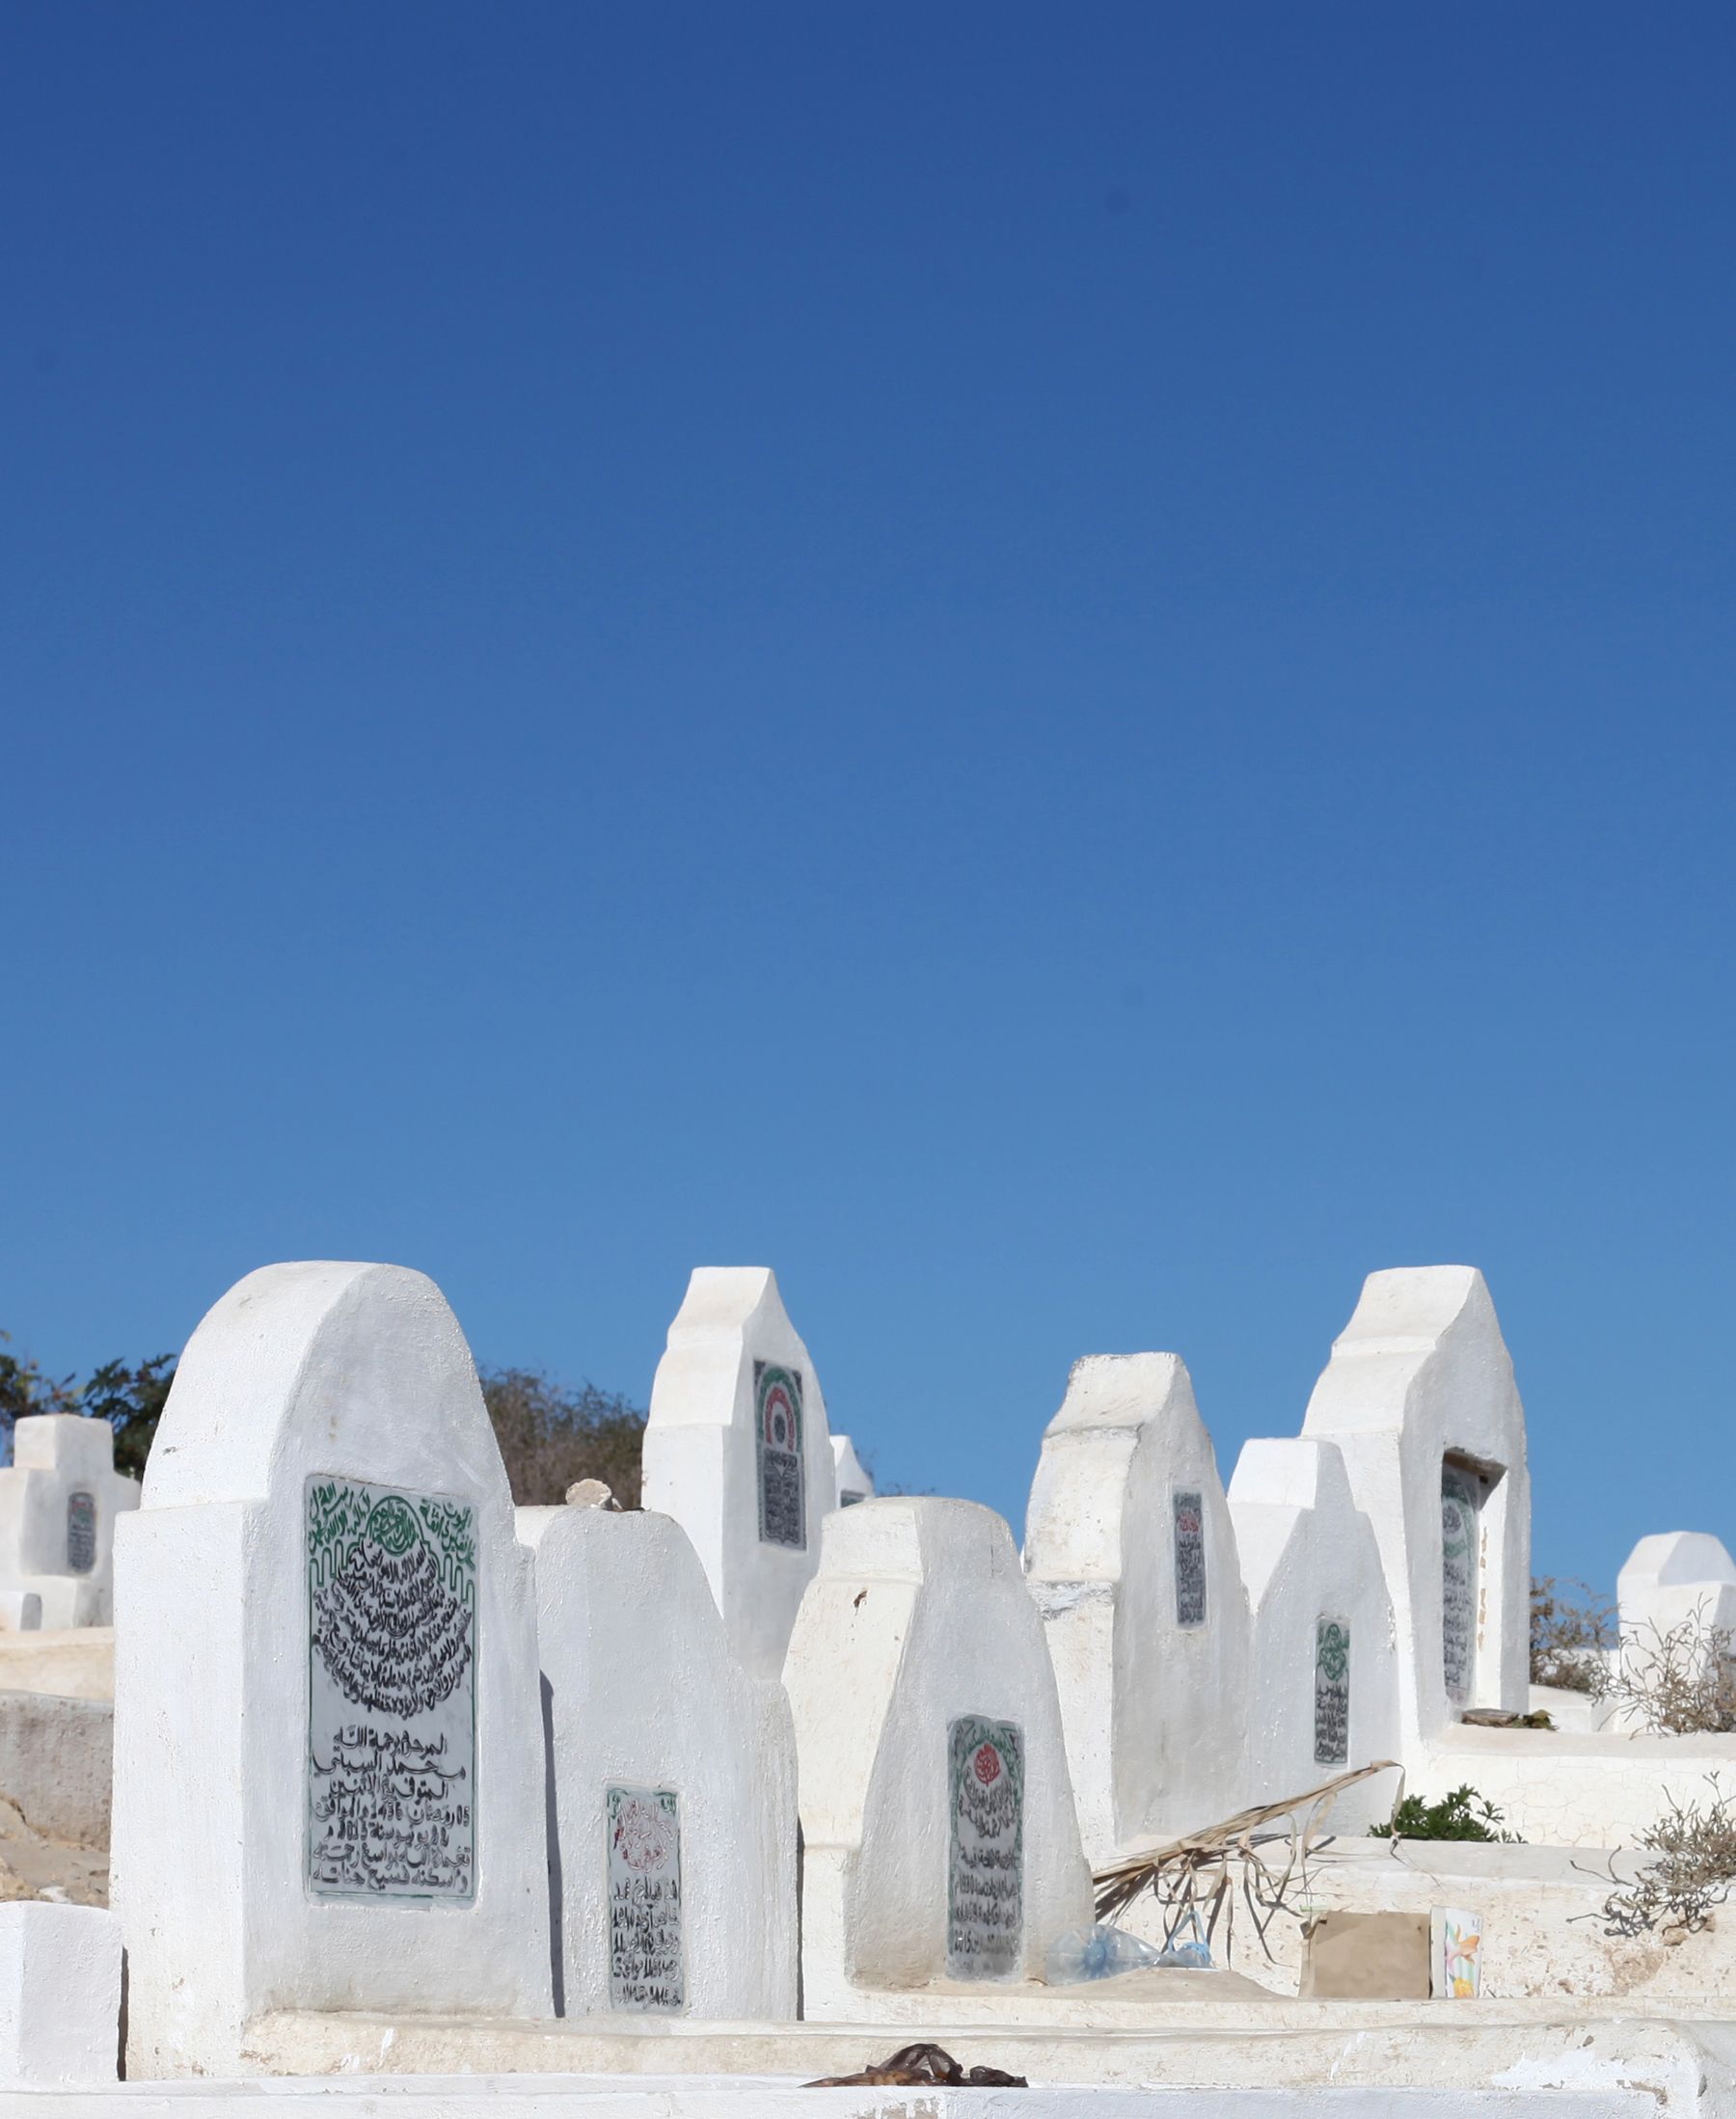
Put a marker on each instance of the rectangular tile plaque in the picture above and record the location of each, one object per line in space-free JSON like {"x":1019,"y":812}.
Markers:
{"x":646,"y":1971}
{"x":81,"y":1532}
{"x":777,"y":1440}
{"x":1332,"y":1692}
{"x":391,"y":1693}
{"x":985,"y":1883}
{"x":1461,"y":1498}
{"x":1190,"y":1557}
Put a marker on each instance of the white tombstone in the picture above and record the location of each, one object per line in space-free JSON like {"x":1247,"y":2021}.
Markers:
{"x":1420,"y":1398}
{"x":59,"y":1499}
{"x":1132,"y":1558}
{"x":1675,"y":1579}
{"x":328,"y":1758}
{"x":854,"y":1481}
{"x":938,"y":1835}
{"x":738,"y":1451}
{"x":671,"y":1778}
{"x":60,"y":1997}
{"x":1323,"y":1695}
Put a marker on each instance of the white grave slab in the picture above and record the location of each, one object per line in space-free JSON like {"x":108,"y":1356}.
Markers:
{"x":1323,"y":1695}
{"x":60,"y":1997}
{"x":328,"y":1759}
{"x":59,"y":1499}
{"x":940,"y":1839}
{"x":853,"y":1479}
{"x":672,"y":1780}
{"x":1420,"y":1398}
{"x":738,"y":1451}
{"x":1130,"y":1553}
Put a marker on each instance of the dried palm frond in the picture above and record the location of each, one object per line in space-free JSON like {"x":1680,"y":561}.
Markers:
{"x":1192,"y":1879}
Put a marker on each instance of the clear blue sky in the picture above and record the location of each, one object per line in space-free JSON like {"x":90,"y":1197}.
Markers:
{"x":1065,"y":670}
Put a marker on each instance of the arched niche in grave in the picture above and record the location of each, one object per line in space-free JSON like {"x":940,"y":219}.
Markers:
{"x":59,"y":1499}
{"x":1420,"y":1398}
{"x":1130,"y":1556}
{"x":939,"y":1833}
{"x":737,"y":1450}
{"x":1323,"y":1692}
{"x":328,"y":1755}
{"x":671,"y":1780}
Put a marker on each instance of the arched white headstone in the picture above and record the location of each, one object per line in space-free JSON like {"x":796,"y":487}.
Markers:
{"x":328,"y":1758}
{"x":672,"y":1844}
{"x":737,"y":1450}
{"x":1420,"y":1398}
{"x":937,"y":1820}
{"x":854,"y":1481}
{"x":1324,"y":1690}
{"x":59,"y":1499}
{"x":1132,"y":1558}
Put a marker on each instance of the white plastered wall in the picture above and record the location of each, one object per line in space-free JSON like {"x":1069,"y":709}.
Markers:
{"x":919,"y":1614}
{"x":1421,"y":1372}
{"x":1154,"y":1710}
{"x":56,"y":1456}
{"x":360,"y":1372}
{"x":640,"y":1690}
{"x":700,"y":1461}
{"x":1308,"y":1554}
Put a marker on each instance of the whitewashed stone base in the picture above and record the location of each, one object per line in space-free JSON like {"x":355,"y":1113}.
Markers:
{"x":60,"y":1997}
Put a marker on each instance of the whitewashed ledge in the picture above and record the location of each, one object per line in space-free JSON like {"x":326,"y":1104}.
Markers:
{"x":778,"y":2097}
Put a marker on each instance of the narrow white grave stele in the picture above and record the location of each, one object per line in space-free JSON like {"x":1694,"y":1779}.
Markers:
{"x":329,"y":1791}
{"x":985,"y":1895}
{"x":392,"y":1693}
{"x":645,"y":1967}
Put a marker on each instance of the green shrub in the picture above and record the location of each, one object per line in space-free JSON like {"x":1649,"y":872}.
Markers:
{"x":1461,"y":1815}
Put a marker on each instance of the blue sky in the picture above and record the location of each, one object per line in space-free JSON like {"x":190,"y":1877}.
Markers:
{"x":1066,"y":670}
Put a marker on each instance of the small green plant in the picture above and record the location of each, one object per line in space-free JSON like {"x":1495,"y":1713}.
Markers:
{"x":1464,"y":1815}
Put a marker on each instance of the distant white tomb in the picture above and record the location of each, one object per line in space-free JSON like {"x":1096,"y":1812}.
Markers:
{"x":1420,"y":1398}
{"x":59,"y":1499}
{"x":329,"y":1789}
{"x":939,"y":1833}
{"x":1324,"y":1695}
{"x":671,"y":1778}
{"x":1676,"y":1582}
{"x":737,"y":1450}
{"x":854,"y":1481}
{"x":1132,"y":1558}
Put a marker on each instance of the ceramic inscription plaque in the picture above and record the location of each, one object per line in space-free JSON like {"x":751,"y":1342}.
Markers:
{"x":1460,"y":1497}
{"x":81,"y":1532}
{"x":985,"y":1884}
{"x":1190,"y":1557}
{"x":391,"y":1693}
{"x":1332,"y":1692}
{"x":643,"y":1826}
{"x":777,"y":1440}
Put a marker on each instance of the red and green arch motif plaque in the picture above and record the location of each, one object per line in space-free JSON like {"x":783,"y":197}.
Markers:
{"x":777,"y":1447}
{"x":391,"y":1693}
{"x":985,"y":1877}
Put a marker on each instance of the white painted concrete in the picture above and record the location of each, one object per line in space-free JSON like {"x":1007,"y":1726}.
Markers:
{"x":330,"y":1373}
{"x":59,"y":1499}
{"x":642,"y":1691}
{"x":60,"y":1995}
{"x":57,"y":1764}
{"x":1155,"y":1709}
{"x":918,"y":1617}
{"x":853,"y":1479}
{"x":1322,"y":1630}
{"x":1420,"y":1376}
{"x":704,"y":1454}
